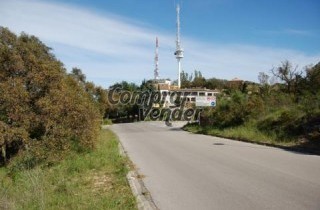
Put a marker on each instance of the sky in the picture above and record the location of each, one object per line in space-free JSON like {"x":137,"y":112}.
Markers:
{"x":114,"y":40}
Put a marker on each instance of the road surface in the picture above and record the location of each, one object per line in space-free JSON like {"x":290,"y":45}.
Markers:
{"x":189,"y":171}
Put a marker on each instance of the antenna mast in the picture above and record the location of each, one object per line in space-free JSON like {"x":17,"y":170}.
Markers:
{"x":156,"y":61}
{"x":179,"y":51}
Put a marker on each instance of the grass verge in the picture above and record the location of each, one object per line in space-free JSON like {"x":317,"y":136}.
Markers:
{"x":246,"y":132}
{"x":94,"y":180}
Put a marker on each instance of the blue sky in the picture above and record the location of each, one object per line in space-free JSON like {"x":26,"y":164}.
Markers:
{"x":114,"y":40}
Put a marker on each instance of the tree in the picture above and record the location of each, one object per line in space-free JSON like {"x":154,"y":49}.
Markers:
{"x":147,"y":85}
{"x":198,"y":80}
{"x":313,"y":78}
{"x":214,"y":83}
{"x":186,"y":79}
{"x":264,"y":83}
{"x":263,"y":78}
{"x":287,"y":74}
{"x":41,"y":105}
{"x":124,"y":85}
{"x":78,"y":75}
{"x":126,"y":110}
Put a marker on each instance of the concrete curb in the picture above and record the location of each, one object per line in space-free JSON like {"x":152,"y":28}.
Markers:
{"x":144,"y":199}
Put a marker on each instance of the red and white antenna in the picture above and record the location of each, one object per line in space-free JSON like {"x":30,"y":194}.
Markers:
{"x":156,"y":61}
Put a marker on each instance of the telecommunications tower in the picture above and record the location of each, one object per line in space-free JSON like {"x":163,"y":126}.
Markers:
{"x":179,"y":51}
{"x":156,"y":61}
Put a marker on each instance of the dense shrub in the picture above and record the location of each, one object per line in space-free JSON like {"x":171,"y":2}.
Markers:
{"x":230,"y":111}
{"x":284,"y":123}
{"x":278,"y":111}
{"x":43,"y":111}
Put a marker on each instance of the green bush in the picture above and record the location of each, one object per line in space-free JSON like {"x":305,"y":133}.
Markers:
{"x":230,"y":111}
{"x":44,"y":111}
{"x":284,"y":123}
{"x":107,"y":122}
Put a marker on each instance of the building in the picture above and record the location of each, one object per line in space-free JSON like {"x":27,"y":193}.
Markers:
{"x":192,"y":96}
{"x":235,"y":83}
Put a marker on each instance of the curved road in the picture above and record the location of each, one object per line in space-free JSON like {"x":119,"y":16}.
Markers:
{"x":189,"y":171}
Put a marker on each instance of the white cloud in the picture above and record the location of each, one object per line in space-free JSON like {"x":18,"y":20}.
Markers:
{"x":291,"y":31}
{"x":298,"y":32}
{"x":109,"y":48}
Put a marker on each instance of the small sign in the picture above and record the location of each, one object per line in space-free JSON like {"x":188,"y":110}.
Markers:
{"x":206,"y":101}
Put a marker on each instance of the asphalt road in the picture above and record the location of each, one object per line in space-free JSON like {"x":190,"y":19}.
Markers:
{"x":189,"y":171}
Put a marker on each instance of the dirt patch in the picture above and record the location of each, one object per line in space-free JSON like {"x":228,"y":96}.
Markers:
{"x":101,"y":182}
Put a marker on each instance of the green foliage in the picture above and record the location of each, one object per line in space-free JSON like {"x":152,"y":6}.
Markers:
{"x":245,"y":132}
{"x":186,"y":79}
{"x":214,"y":83}
{"x":94,"y":180}
{"x":43,"y":110}
{"x":128,"y":112}
{"x":312,"y":80}
{"x":282,"y":113}
{"x":107,"y":122}
{"x":196,"y":80}
{"x":289,"y":75}
{"x":147,"y":85}
{"x":125,"y":86}
{"x":231,"y":110}
{"x":284,"y":123}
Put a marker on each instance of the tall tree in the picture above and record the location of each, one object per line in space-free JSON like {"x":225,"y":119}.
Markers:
{"x":198,"y":80}
{"x":186,"y":79}
{"x":263,"y":78}
{"x":313,"y":78}
{"x":288,"y":75}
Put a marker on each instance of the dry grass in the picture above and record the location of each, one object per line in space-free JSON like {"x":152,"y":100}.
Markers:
{"x":95,"y":180}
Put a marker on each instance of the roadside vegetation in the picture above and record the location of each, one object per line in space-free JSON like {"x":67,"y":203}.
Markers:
{"x":92,"y":180}
{"x":45,"y":112}
{"x":53,"y":153}
{"x":284,"y":113}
